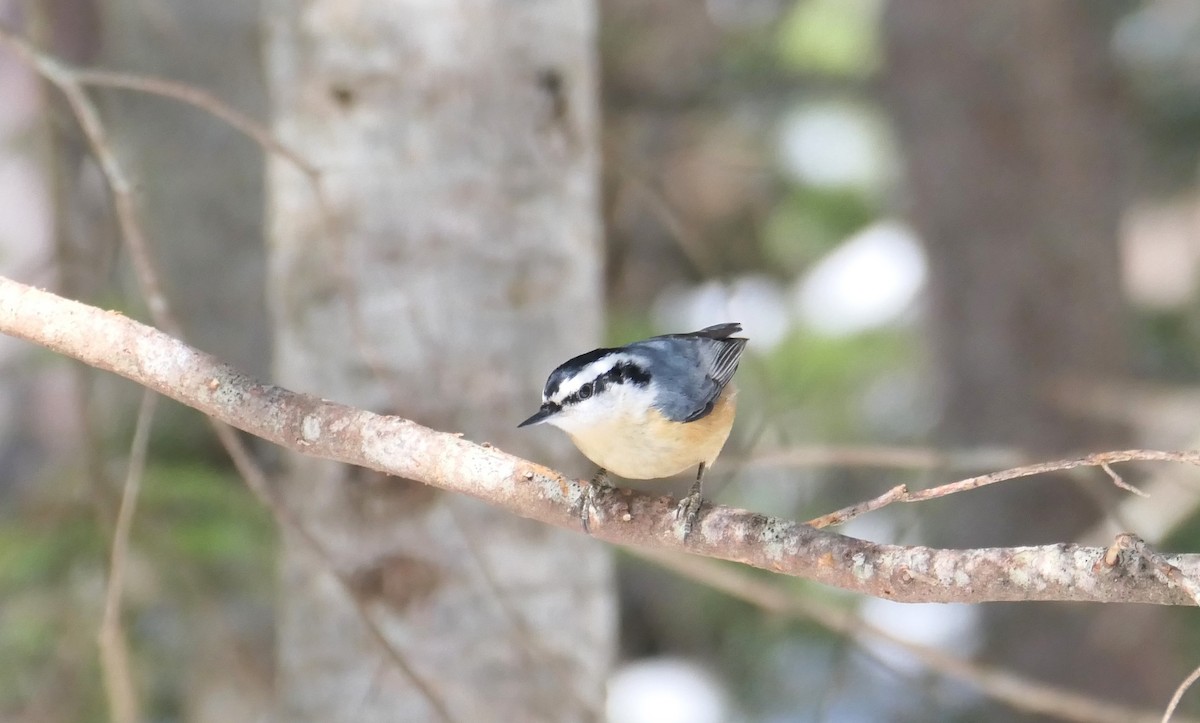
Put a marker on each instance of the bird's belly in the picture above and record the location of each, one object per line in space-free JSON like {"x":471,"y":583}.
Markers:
{"x":653,"y":447}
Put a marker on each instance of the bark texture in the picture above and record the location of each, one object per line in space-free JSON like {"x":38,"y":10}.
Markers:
{"x":458,"y":263}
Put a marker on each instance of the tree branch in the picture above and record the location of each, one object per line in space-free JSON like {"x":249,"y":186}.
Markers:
{"x":1103,"y":460}
{"x":114,"y":647}
{"x":70,"y":82}
{"x":1021,"y":693}
{"x":396,"y":446}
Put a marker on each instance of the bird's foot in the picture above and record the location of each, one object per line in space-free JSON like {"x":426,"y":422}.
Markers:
{"x":598,"y":483}
{"x":688,"y":511}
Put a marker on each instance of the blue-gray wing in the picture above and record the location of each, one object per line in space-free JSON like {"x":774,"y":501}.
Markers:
{"x":690,"y":370}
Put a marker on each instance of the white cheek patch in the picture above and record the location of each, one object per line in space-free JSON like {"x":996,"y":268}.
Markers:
{"x":617,"y":403}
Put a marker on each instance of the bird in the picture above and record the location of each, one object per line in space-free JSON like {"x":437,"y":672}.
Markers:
{"x":649,"y":409}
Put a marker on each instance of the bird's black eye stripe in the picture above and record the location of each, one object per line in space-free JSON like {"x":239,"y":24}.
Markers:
{"x":623,"y":373}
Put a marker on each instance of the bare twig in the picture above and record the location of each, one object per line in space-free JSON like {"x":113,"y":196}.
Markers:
{"x":1178,"y":696}
{"x":1120,"y":482}
{"x":895,"y":494}
{"x":114,"y":649}
{"x":67,"y":80}
{"x":201,"y":99}
{"x":262,"y":135}
{"x":1099,"y":459}
{"x":405,"y":449}
{"x":63,"y":78}
{"x":1020,"y":693}
{"x":1029,"y":470}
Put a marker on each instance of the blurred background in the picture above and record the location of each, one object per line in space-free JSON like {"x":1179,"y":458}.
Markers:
{"x":961,"y":237}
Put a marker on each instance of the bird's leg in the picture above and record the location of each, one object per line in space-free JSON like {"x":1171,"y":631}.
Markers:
{"x":689,"y":507}
{"x":598,"y":481}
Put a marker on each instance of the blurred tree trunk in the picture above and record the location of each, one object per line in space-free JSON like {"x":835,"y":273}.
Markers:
{"x":199,"y":187}
{"x":460,"y":263}
{"x":199,"y":179}
{"x":1011,"y":120}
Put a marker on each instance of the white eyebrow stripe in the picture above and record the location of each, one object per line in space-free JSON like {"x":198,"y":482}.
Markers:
{"x":590,"y":372}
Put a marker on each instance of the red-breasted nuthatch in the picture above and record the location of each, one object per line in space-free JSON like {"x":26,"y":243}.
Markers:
{"x":649,"y":409}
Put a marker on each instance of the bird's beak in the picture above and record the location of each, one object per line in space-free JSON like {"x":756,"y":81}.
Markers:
{"x":542,"y":415}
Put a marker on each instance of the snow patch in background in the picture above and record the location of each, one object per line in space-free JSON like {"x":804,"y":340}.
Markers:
{"x":870,"y":280}
{"x":665,"y":690}
{"x":758,"y":302}
{"x":836,"y":145}
{"x":950,"y":628}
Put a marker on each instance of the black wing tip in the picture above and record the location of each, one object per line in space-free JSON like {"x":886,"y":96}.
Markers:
{"x":719,"y":331}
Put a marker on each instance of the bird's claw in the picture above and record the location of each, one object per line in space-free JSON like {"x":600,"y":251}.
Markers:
{"x":689,"y":510}
{"x":689,"y":507}
{"x":587,"y":501}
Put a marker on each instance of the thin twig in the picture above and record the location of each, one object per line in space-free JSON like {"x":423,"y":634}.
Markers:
{"x":201,"y":99}
{"x":1091,"y":460}
{"x":114,"y":648}
{"x":1120,"y":482}
{"x":895,"y":494}
{"x":66,"y":79}
{"x":1018,"y":692}
{"x":1099,"y":459}
{"x":262,"y":135}
{"x":62,"y":77}
{"x":1183,"y":687}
